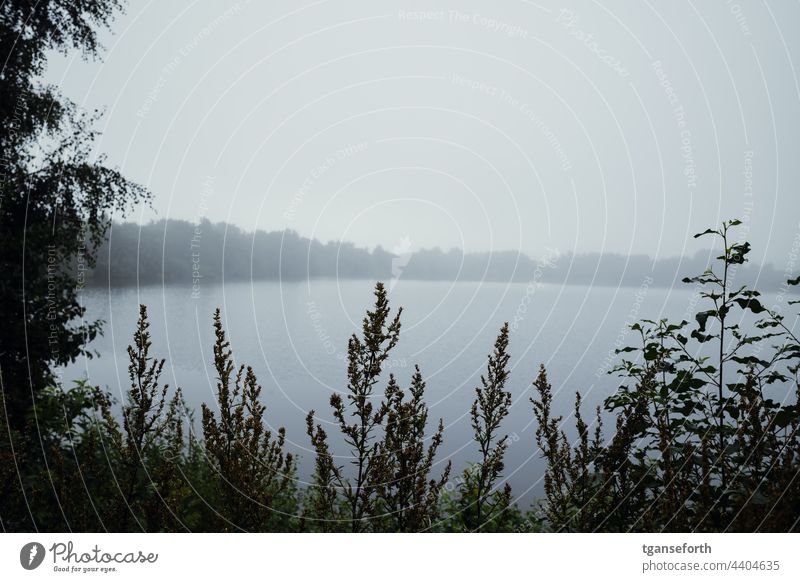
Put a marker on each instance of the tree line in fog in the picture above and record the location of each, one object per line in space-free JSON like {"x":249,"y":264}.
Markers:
{"x":180,"y":252}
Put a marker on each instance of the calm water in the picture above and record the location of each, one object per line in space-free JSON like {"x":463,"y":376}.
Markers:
{"x":295,"y":337}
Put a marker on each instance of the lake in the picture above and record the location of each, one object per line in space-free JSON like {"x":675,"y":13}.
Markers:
{"x":294,"y":335}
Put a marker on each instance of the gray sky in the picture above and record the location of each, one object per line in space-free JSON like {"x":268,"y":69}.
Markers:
{"x":584,"y":126}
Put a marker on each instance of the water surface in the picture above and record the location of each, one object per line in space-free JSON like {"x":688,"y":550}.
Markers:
{"x":295,"y":334}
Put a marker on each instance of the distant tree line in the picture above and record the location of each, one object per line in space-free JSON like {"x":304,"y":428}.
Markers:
{"x":705,"y":437}
{"x":179,"y":252}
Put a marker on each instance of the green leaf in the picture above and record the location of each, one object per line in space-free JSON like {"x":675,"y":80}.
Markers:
{"x":785,"y":416}
{"x":705,"y":232}
{"x":753,"y":305}
{"x":702,"y":318}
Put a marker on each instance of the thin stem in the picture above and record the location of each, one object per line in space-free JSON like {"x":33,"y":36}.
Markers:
{"x":722,"y":313}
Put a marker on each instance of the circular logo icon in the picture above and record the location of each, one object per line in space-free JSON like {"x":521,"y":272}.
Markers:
{"x":31,"y":555}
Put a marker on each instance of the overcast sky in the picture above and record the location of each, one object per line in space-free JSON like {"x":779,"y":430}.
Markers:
{"x":583,"y":126}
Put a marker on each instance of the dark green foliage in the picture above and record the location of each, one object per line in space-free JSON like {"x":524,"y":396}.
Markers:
{"x":323,"y":510}
{"x":254,"y":478}
{"x":365,"y":358}
{"x":482,"y":505}
{"x":81,"y":470}
{"x":699,"y":442}
{"x":55,"y":475}
{"x":390,"y":488}
{"x":408,"y":500}
{"x":152,"y":441}
{"x":56,"y":197}
{"x":572,"y":483}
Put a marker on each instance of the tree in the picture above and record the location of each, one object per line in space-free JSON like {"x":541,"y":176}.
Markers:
{"x":56,"y":197}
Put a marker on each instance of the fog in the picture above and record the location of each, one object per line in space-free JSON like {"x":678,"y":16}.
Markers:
{"x":157,"y":253}
{"x":478,"y":126}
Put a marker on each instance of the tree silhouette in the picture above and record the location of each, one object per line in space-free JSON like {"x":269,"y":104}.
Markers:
{"x":56,"y":197}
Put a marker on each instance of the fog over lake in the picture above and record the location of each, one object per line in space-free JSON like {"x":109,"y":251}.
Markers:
{"x":295,"y":335}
